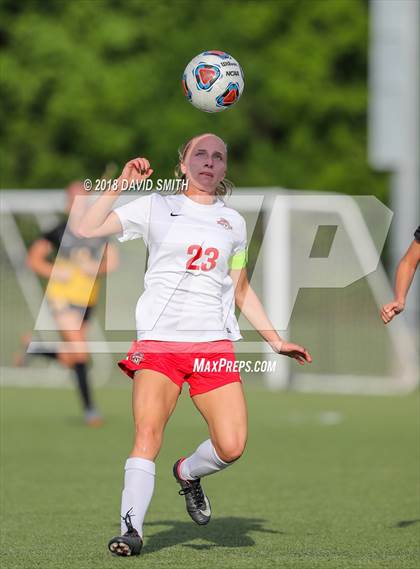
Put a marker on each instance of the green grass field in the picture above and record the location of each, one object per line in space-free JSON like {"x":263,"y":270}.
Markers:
{"x":326,"y":482}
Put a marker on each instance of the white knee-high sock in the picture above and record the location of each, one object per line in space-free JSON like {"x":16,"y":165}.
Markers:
{"x":202,"y":462}
{"x":139,"y":482}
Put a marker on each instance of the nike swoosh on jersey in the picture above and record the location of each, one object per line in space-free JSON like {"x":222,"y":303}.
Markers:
{"x":176,"y":214}
{"x":207,"y":510}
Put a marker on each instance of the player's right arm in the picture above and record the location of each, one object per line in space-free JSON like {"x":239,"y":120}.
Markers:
{"x":99,"y":220}
{"x":38,"y":261}
{"x":37,"y":258}
{"x":403,"y":278}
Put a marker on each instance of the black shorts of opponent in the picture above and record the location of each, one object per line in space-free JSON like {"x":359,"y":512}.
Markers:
{"x":57,"y":307}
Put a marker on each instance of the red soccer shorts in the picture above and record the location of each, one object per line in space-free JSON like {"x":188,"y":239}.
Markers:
{"x":204,"y":365}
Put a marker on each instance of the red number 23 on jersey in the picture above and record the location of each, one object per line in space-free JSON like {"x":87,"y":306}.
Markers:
{"x":208,"y":264}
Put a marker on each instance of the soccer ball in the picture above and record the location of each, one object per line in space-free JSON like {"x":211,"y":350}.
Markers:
{"x":213,"y":81}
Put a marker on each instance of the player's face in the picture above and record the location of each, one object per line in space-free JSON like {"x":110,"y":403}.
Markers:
{"x":205,"y":163}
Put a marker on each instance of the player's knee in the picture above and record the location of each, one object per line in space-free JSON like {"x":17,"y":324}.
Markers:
{"x":232,"y":450}
{"x":148,"y":438}
{"x":81,"y":358}
{"x":66,"y":359}
{"x":73,"y":358}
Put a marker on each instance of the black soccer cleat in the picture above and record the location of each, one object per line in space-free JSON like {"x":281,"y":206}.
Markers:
{"x":198,"y":505}
{"x":128,"y":544}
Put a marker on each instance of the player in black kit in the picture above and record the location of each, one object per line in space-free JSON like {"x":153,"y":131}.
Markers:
{"x":71,"y":265}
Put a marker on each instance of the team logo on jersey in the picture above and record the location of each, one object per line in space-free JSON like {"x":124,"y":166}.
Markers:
{"x":137,"y":357}
{"x":224,"y":223}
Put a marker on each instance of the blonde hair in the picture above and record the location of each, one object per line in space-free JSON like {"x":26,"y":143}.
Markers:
{"x":223,"y":188}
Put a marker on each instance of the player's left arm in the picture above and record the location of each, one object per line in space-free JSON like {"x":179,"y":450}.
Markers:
{"x":251,"y":307}
{"x":403,"y":279}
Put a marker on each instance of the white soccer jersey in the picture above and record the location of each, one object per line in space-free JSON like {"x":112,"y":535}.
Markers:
{"x":189,"y":295}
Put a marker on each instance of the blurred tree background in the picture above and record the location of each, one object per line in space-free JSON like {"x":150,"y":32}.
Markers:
{"x":87,"y":82}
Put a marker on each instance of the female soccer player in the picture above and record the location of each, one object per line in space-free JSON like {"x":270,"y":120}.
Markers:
{"x":72,"y":291}
{"x":196,"y":268}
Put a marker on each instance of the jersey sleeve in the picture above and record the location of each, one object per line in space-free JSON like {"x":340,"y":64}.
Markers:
{"x":239,"y":257}
{"x":417,"y":234}
{"x":135,"y":218}
{"x":55,"y":235}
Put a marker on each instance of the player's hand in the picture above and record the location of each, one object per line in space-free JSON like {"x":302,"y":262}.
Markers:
{"x":390,"y":310}
{"x":300,"y":354}
{"x":135,"y":170}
